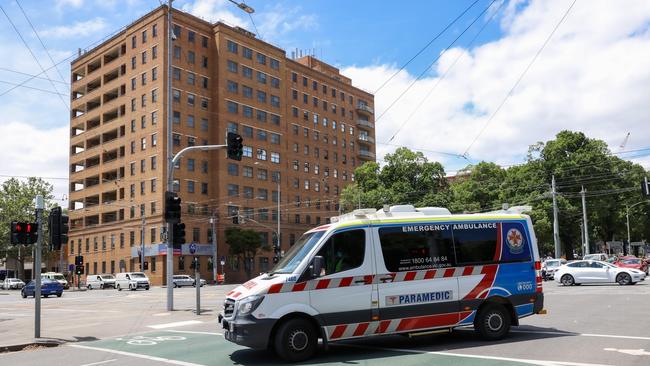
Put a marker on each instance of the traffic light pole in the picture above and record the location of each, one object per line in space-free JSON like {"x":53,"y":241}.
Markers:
{"x":40,"y":205}
{"x":170,"y":234}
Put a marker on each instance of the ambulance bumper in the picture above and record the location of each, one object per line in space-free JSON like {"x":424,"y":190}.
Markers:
{"x":248,"y":331}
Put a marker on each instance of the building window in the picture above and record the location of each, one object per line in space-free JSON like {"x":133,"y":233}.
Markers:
{"x":233,"y":87}
{"x":261,"y":77}
{"x":247,"y":72}
{"x":275,"y":157}
{"x":191,"y":77}
{"x":233,"y":190}
{"x":190,"y":186}
{"x":232,"y":47}
{"x":275,"y":83}
{"x":204,"y":41}
{"x":233,"y":169}
{"x":275,"y":101}
{"x":261,"y":135}
{"x":262,"y":174}
{"x":232,"y":66}
{"x":247,"y":172}
{"x":275,"y":64}
{"x":275,"y":119}
{"x":261,"y":154}
{"x":247,"y":151}
{"x":261,"y":59}
{"x":275,"y":138}
{"x":233,"y":107}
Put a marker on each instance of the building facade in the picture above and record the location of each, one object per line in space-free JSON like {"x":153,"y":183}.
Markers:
{"x":305,"y":130}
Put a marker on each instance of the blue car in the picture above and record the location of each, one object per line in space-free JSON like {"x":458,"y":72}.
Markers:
{"x":48,"y":287}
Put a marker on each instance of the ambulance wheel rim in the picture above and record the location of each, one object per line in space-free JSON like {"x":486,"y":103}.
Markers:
{"x":494,"y":322}
{"x":298,"y":340}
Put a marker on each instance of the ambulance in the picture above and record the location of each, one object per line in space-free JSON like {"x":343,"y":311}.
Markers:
{"x":400,"y":270}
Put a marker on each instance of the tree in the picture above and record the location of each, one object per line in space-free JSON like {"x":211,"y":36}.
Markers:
{"x":17,"y":203}
{"x":245,"y":244}
{"x":407,"y":178}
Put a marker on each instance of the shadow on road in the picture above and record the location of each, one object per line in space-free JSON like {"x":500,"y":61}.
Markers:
{"x":383,"y":347}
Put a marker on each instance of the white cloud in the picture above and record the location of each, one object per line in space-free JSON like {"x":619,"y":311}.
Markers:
{"x":278,"y":21}
{"x":592,"y":77}
{"x":31,"y":151}
{"x":72,"y":3}
{"x":78,"y":29}
{"x":215,"y":10}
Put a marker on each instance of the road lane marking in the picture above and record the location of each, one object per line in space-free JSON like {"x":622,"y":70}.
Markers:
{"x":176,"y":324}
{"x":633,"y":352}
{"x":99,"y":363}
{"x":162,"y":314}
{"x":582,"y":334}
{"x":511,"y":359}
{"x":193,"y":332}
{"x":137,"y":355}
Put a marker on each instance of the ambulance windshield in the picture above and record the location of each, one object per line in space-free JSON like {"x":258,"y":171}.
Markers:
{"x":297,"y":253}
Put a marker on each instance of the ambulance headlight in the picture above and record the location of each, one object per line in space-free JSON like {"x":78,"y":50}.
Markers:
{"x":249,"y":304}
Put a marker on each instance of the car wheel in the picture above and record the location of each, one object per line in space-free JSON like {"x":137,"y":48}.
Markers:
{"x":567,"y":280}
{"x":147,"y":288}
{"x":46,"y":296}
{"x":90,"y":287}
{"x":101,"y":286}
{"x":24,"y":295}
{"x":59,"y":294}
{"x":119,"y":288}
{"x":492,"y":322}
{"x":623,"y":279}
{"x":296,"y":340}
{"x":175,"y":286}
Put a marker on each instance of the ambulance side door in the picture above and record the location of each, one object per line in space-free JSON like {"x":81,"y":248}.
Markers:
{"x":417,"y":288}
{"x":343,"y":292}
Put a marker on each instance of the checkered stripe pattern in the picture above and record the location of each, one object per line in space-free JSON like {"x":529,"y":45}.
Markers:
{"x":344,"y":331}
{"x":328,"y":283}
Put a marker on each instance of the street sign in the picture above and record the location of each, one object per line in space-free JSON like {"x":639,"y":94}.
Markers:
{"x":192,"y":248}
{"x":70,"y":267}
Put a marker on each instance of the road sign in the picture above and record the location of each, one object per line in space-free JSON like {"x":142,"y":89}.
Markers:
{"x":70,"y":267}
{"x":192,"y":248}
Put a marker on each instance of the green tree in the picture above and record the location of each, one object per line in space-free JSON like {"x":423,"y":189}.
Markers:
{"x":407,"y":178}
{"x":17,"y":203}
{"x":245,"y":244}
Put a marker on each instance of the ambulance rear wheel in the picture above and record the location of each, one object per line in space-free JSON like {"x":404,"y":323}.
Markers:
{"x":296,"y":340}
{"x":492,"y":322}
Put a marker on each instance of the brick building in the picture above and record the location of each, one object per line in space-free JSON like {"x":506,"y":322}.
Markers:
{"x":305,"y":130}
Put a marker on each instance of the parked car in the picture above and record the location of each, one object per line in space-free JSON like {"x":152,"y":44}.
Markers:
{"x":586,"y":271}
{"x":100,"y":281}
{"x":203,"y":282}
{"x":550,"y":266}
{"x":12,"y":284}
{"x":632,"y":262}
{"x":595,"y":257}
{"x":58,"y":277}
{"x":183,"y":280}
{"x":131,"y":281}
{"x":48,"y":287}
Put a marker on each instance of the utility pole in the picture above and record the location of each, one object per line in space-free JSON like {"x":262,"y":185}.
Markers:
{"x":215,"y":258}
{"x":40,"y":205}
{"x":279,"y":217}
{"x":170,"y":156}
{"x":584,"y":219}
{"x":556,"y":225}
{"x":142,"y":240}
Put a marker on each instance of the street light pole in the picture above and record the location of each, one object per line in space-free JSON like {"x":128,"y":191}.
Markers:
{"x":170,"y":157}
{"x":215,"y":257}
{"x":279,"y":216}
{"x":627,"y":215}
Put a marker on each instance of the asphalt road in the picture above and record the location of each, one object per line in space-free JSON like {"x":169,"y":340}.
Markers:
{"x":586,"y":325}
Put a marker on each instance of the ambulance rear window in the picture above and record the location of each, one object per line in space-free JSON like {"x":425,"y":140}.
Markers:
{"x":412,"y":248}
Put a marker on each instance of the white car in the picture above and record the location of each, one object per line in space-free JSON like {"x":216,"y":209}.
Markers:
{"x":586,"y":271}
{"x":550,"y":266}
{"x":13,"y":283}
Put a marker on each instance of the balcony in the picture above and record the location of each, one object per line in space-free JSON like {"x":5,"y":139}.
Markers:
{"x":365,"y":108}
{"x":366,"y":155}
{"x":367,"y":139}
{"x":365,"y":123}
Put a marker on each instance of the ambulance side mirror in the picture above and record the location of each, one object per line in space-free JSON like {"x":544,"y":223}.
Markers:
{"x":317,"y":266}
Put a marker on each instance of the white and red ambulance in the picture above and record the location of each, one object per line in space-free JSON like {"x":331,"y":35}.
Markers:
{"x":401,"y":270}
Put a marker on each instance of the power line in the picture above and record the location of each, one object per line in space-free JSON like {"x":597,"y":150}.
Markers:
{"x":32,"y":75}
{"x":33,"y":55}
{"x":15,"y":85}
{"x":469,"y":46}
{"x":432,"y":63}
{"x":40,"y":40}
{"x":425,"y":46}
{"x":519,"y":79}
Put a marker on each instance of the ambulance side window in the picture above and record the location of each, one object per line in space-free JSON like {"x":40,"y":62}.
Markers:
{"x":343,"y":251}
{"x":475,"y":246}
{"x":411,"y":249}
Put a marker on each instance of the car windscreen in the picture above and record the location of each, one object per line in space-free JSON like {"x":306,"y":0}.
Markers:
{"x":59,"y":277}
{"x":138,"y":275}
{"x":552,"y":263}
{"x":108,"y":277}
{"x":297,"y":253}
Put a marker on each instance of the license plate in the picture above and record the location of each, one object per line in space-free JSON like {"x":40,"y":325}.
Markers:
{"x":232,"y":327}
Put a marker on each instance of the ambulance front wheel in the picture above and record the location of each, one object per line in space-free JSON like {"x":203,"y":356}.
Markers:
{"x":296,"y":340}
{"x":492,"y":322}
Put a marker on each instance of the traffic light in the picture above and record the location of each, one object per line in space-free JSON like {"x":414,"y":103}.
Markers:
{"x":172,"y":207}
{"x":178,"y":233}
{"x":645,"y":188}
{"x":235,"y":146}
{"x":23,"y":233}
{"x":79,"y":270}
{"x":146,"y":266}
{"x":58,"y":223}
{"x":195,"y":264}
{"x":79,"y":260}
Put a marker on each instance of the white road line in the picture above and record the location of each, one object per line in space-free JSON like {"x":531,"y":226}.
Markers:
{"x":193,"y":332}
{"x":161,"y":314}
{"x":99,"y":363}
{"x":534,"y":362}
{"x":172,"y":325}
{"x":582,"y":334}
{"x":152,"y":358}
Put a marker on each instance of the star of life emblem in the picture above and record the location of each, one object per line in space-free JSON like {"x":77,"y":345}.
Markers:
{"x":515,"y":241}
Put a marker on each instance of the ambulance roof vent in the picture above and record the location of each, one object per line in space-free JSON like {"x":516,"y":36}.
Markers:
{"x":402,"y":208}
{"x":364,"y":212}
{"x":434,"y":211}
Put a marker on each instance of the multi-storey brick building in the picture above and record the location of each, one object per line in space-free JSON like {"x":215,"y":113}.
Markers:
{"x":305,"y":130}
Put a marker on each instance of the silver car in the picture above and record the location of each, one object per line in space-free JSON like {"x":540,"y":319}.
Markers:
{"x":13,"y":284}
{"x":585,"y":271}
{"x":183,"y":280}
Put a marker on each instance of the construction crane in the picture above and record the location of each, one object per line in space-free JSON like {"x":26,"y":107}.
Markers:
{"x":625,"y":140}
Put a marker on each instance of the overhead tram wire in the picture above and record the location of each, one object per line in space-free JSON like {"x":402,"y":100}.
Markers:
{"x":34,"y":88}
{"x":41,"y":41}
{"x":426,"y":46}
{"x":496,"y":111}
{"x":469,"y":46}
{"x":33,"y":55}
{"x":433,"y":63}
{"x":32,"y":75}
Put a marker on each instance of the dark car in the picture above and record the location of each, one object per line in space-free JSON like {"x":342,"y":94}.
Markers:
{"x":48,"y":287}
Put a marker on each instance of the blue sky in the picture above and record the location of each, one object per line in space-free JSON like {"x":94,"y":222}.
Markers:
{"x":592,"y":76}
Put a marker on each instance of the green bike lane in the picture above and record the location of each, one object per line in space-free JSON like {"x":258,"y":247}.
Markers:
{"x":193,"y":348}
